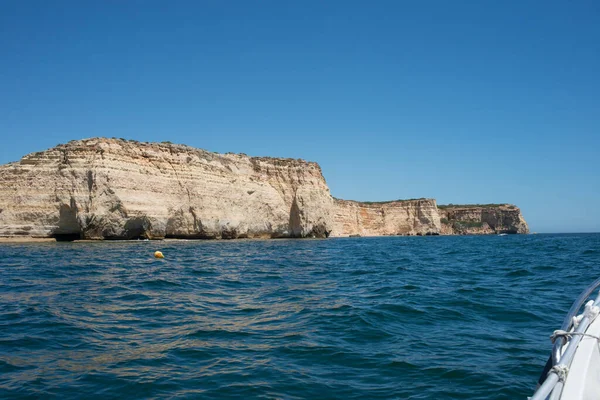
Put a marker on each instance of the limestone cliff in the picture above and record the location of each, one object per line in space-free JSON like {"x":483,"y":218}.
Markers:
{"x":405,"y":217}
{"x":481,"y":219}
{"x":116,"y":189}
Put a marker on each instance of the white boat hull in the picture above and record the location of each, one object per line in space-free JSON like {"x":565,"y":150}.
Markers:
{"x":573,"y":370}
{"x":583,"y":380}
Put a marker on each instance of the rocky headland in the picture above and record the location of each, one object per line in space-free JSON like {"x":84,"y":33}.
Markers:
{"x":477,"y":219}
{"x":117,"y":189}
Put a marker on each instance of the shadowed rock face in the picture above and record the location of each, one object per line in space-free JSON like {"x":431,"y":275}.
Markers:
{"x":115,"y":189}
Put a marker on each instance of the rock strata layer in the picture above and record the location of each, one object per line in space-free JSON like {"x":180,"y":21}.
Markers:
{"x":116,"y":189}
{"x":482,"y":219}
{"x":408,"y":217}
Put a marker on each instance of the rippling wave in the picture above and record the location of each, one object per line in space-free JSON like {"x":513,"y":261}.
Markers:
{"x":394,"y":317}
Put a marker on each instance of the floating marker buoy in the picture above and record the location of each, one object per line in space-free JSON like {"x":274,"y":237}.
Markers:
{"x":158,"y":254}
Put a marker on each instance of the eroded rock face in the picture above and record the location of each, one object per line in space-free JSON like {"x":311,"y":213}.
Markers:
{"x":117,"y":189}
{"x":487,"y":219}
{"x":408,"y":217}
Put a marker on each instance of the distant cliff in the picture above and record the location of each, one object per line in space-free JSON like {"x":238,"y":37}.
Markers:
{"x":481,"y":219}
{"x":117,"y":189}
{"x":403,"y":217}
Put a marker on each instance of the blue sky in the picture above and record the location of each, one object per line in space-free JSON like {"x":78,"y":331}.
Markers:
{"x":462,"y":101}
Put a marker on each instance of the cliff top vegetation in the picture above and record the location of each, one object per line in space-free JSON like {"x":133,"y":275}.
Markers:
{"x":491,"y":205}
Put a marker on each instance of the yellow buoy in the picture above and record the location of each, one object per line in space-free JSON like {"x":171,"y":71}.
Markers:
{"x":158,"y":254}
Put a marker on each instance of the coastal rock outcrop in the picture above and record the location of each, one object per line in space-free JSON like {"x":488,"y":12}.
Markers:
{"x":117,"y":189}
{"x":402,"y":217}
{"x":481,"y":219}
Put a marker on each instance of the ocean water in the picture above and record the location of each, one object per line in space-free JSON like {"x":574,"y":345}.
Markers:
{"x":394,"y":317}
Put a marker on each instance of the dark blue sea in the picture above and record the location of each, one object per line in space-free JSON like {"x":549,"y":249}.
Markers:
{"x":391,"y":318}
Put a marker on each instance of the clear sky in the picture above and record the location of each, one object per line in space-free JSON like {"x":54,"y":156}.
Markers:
{"x":463,"y":101}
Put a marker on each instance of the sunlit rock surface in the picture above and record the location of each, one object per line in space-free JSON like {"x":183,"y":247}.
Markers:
{"x":482,"y":219}
{"x":117,"y":189}
{"x":407,"y":217}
